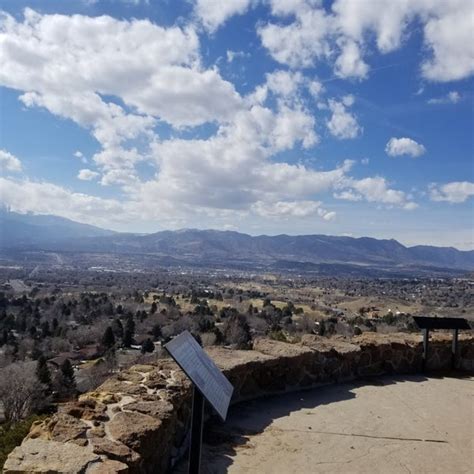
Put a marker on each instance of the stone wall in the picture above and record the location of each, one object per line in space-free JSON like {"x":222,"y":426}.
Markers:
{"x":138,"y":420}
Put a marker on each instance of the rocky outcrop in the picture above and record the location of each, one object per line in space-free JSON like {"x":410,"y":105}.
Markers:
{"x":138,"y":420}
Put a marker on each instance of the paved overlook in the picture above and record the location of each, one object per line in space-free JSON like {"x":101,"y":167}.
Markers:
{"x":138,"y":420}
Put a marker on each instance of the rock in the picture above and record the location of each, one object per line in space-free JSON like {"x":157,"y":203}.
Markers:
{"x":86,"y":409}
{"x":59,"y":427}
{"x":158,"y":409}
{"x":103,"y":397}
{"x":133,"y":429}
{"x":141,"y":368}
{"x":115,"y":386}
{"x":97,"y":432}
{"x":130,"y":376}
{"x":115,"y":450}
{"x":108,"y":467}
{"x":43,"y":456}
{"x":156,"y":380}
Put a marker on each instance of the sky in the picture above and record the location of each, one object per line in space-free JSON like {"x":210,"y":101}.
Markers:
{"x":344,"y":117}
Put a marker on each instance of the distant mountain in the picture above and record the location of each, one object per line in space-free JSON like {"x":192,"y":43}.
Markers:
{"x":28,"y":230}
{"x":227,"y":249}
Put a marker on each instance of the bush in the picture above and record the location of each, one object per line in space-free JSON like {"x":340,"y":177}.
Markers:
{"x":236,"y":332}
{"x":11,"y":435}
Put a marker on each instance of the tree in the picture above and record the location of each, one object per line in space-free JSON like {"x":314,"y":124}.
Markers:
{"x":236,"y":332}
{"x":21,"y":393}
{"x":147,"y":346}
{"x":129,"y":332}
{"x":108,"y":339}
{"x":66,"y":380}
{"x":153,"y":308}
{"x":42,"y":372}
{"x":156,"y":332}
{"x":117,"y":328}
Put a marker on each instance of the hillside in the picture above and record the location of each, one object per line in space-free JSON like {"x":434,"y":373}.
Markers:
{"x":221,"y":248}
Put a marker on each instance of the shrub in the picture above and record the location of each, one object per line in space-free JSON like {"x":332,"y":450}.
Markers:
{"x":11,"y":436}
{"x":237,"y":332}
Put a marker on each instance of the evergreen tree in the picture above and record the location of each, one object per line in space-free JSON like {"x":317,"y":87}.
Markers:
{"x":68,"y":379}
{"x":156,"y":332}
{"x":117,"y":328}
{"x":153,"y":308}
{"x":147,"y":346}
{"x":108,"y":339}
{"x":42,"y":372}
{"x":129,"y":332}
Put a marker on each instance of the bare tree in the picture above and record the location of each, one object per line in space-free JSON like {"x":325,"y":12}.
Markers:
{"x":20,"y":391}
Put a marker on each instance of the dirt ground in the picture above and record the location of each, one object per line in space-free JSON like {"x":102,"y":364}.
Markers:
{"x":409,"y":424}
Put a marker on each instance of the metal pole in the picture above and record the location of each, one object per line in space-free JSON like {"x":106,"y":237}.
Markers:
{"x":196,"y":432}
{"x":426,"y":333}
{"x":454,"y":349}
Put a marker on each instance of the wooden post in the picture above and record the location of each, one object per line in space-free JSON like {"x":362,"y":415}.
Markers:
{"x":197,"y":422}
{"x":426,"y":335}
{"x":454,"y":349}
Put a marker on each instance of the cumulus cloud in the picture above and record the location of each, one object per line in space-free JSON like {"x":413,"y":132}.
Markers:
{"x":68,"y":63}
{"x":452,"y":97}
{"x":46,"y":198}
{"x":345,"y":32}
{"x":455,"y":192}
{"x":214,"y":13}
{"x":404,"y":146}
{"x":286,"y":208}
{"x":302,"y":42}
{"x":73,"y":65}
{"x":374,"y":189}
{"x":343,"y":124}
{"x":350,"y":62}
{"x":9,"y":162}
{"x":87,"y":175}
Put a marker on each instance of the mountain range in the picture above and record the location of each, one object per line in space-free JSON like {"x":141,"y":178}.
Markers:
{"x":27,"y":232}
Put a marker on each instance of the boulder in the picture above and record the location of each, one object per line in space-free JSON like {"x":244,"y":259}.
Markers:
{"x":51,"y":457}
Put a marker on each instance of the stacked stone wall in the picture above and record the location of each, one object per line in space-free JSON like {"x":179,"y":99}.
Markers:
{"x":138,"y":421}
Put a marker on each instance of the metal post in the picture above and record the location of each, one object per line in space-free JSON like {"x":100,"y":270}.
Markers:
{"x":196,"y":432}
{"x":454,"y":349}
{"x":426,"y":333}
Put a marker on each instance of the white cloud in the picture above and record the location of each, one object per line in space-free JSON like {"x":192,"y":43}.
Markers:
{"x":302,"y":42}
{"x":231,"y":55}
{"x":46,"y":198}
{"x":374,"y":189}
{"x":80,"y":156}
{"x":9,"y":162}
{"x":87,"y":175}
{"x":452,"y":97}
{"x":72,"y":66}
{"x":448,"y":33}
{"x":343,"y":124}
{"x":404,"y":146}
{"x":68,"y":63}
{"x":345,"y":33}
{"x":286,"y":208}
{"x":455,"y":192}
{"x":214,"y":13}
{"x":350,"y":63}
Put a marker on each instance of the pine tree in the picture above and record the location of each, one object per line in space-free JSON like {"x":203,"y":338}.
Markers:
{"x":108,"y":339}
{"x":42,"y":372}
{"x":147,"y":346}
{"x":67,"y":376}
{"x":129,"y":332}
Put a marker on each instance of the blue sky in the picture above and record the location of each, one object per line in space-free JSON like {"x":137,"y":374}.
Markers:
{"x":352,"y":117}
